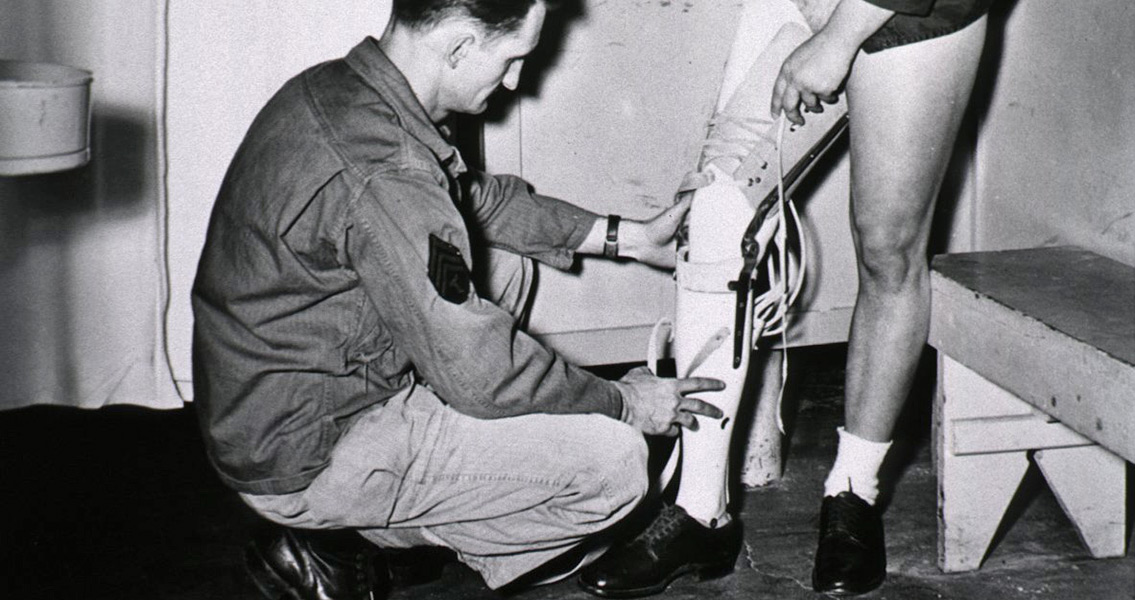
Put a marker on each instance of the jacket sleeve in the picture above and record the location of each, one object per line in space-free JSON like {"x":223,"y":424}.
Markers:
{"x":468,"y":350}
{"x":918,"y":8}
{"x":511,"y":216}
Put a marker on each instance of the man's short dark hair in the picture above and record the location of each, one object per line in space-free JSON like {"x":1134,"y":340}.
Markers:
{"x":497,"y":16}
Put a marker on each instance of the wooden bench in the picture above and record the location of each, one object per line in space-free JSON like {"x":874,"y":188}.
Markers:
{"x":1036,"y":360}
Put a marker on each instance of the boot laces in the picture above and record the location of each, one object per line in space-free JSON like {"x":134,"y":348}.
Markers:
{"x":664,"y":528}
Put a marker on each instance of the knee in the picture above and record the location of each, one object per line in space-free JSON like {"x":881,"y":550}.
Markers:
{"x":628,"y":474}
{"x":616,"y":475}
{"x":890,"y":263}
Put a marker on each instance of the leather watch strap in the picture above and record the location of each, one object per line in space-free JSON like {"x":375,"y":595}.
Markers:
{"x":611,"y":243}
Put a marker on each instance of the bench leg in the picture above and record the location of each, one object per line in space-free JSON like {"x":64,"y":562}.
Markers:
{"x":978,"y":473}
{"x":1091,"y":485}
{"x":973,"y":493}
{"x":973,"y":489}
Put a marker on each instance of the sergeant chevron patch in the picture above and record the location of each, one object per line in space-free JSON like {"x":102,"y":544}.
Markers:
{"x":448,"y":273}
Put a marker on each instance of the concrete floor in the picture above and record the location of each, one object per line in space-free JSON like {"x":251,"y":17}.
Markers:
{"x":119,"y":504}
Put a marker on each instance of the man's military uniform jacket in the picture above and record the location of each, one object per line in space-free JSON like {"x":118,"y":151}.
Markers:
{"x":335,"y":273}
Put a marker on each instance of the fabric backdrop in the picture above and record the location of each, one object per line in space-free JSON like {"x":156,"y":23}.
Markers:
{"x":82,"y":275}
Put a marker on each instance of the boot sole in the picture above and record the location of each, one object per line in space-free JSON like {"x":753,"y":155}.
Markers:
{"x":704,"y":572}
{"x":843,"y":591}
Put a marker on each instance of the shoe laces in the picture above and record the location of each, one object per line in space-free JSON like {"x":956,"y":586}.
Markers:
{"x":664,"y":528}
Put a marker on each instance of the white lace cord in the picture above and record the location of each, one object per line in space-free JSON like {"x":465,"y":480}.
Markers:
{"x":653,"y":351}
{"x":771,"y":308}
{"x":782,"y":243}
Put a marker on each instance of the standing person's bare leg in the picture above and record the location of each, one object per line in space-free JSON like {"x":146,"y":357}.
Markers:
{"x":906,"y":105}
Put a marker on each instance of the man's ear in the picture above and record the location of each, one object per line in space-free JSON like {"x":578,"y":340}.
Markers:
{"x":458,"y":48}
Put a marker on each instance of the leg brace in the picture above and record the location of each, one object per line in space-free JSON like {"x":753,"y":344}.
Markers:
{"x":738,"y":228}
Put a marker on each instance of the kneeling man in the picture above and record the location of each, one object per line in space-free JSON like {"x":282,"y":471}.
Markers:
{"x":358,"y":363}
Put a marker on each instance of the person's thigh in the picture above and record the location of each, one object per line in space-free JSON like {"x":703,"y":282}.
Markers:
{"x":906,"y":105}
{"x":587,"y":467}
{"x":512,"y":494}
{"x":415,"y":463}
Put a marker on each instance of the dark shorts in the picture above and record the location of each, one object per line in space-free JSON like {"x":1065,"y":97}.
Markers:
{"x":945,"y":18}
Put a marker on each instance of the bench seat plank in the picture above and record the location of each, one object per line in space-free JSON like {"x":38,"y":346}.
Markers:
{"x":1053,"y":326}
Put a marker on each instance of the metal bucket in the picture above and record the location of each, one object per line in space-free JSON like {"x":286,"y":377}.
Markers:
{"x":44,"y":117}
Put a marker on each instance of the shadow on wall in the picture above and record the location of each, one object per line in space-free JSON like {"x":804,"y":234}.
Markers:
{"x":541,"y":62}
{"x":960,"y":169}
{"x":48,"y":226}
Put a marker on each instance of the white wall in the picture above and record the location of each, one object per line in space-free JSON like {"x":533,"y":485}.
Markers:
{"x":611,"y":115}
{"x":613,"y":123}
{"x":84,"y":267}
{"x":1056,"y":157}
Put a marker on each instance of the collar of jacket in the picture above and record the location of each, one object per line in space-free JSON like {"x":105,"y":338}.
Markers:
{"x":372,"y":64}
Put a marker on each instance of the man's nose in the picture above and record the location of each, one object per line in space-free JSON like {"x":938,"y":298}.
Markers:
{"x":512,"y":76}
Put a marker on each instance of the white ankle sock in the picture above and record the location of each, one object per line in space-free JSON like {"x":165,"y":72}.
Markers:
{"x":856,"y":467}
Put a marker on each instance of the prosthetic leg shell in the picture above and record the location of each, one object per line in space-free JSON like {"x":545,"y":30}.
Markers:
{"x":703,"y":336}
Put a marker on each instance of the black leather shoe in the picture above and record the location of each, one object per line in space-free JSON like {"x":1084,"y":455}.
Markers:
{"x":295,"y":564}
{"x":851,"y":557}
{"x":409,"y":567}
{"x":674,"y":545}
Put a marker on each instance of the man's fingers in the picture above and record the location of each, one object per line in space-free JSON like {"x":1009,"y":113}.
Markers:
{"x":810,"y":102}
{"x":790,"y":103}
{"x":692,"y":406}
{"x":690,"y":385}
{"x":777,"y":96}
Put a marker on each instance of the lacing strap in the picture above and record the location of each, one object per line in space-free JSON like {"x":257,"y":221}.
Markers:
{"x":743,"y":149}
{"x":735,"y":146}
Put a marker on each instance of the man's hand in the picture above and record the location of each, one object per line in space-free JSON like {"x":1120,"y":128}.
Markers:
{"x":652,"y":242}
{"x":658,"y":406}
{"x":816,"y":70}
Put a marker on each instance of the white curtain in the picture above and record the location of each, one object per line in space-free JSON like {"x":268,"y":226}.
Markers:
{"x":96,"y":264}
{"x":82,"y":265}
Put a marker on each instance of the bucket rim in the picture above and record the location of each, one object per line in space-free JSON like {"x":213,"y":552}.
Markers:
{"x":34,"y":74}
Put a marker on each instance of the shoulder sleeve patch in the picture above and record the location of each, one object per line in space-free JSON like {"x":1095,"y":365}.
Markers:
{"x":447,"y":270}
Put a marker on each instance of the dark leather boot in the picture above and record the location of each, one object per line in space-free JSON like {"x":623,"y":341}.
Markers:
{"x":297,"y":564}
{"x":409,"y":567}
{"x":674,"y":545}
{"x":851,"y":557}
